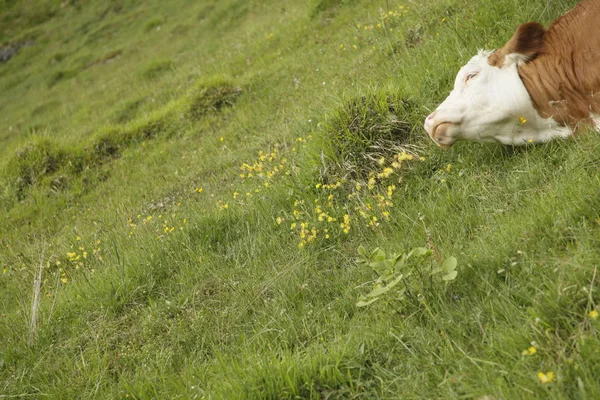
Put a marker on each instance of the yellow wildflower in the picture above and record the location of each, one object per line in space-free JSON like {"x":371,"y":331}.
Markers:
{"x":371,"y":183}
{"x":522,"y":120}
{"x":546,"y":377}
{"x":346,"y":224}
{"x":529,"y":351}
{"x":404,"y":156}
{"x":386,"y":173}
{"x":593,"y":314}
{"x":390,"y":190}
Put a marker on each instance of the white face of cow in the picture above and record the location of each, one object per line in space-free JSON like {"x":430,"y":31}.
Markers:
{"x":487,"y":104}
{"x":490,"y":104}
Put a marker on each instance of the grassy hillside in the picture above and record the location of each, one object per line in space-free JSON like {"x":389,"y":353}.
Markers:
{"x":186,"y":187}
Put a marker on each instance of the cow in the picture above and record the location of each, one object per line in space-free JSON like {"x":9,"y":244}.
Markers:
{"x":543,"y":84}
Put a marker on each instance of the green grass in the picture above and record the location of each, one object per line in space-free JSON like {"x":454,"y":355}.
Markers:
{"x":194,"y":180}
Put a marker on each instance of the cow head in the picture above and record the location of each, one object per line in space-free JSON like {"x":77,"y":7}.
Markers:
{"x":489,"y":102}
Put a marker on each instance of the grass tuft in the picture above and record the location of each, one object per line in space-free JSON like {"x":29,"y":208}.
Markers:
{"x":319,"y":6}
{"x":156,"y":68}
{"x":109,"y":144}
{"x":61,"y":75}
{"x":43,"y":158}
{"x":33,"y":162}
{"x":153,"y":24}
{"x":212,"y":96}
{"x":127,"y":111}
{"x":367,"y":128}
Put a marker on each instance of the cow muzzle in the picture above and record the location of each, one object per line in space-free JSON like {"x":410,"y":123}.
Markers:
{"x":439,"y":132}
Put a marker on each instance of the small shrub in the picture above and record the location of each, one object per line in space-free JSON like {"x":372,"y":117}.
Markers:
{"x":403,"y":280}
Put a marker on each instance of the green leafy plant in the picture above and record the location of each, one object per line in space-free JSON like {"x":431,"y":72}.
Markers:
{"x":401,"y":276}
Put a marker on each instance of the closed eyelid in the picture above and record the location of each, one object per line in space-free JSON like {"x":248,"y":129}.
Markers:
{"x":470,"y":76}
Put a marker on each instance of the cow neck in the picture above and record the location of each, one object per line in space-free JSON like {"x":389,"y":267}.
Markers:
{"x":562,"y":81}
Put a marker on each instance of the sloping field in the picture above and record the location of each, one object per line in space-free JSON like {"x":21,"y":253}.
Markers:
{"x":192,"y":195}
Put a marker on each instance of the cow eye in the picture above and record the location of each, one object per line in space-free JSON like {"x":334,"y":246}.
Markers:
{"x":471,"y":76}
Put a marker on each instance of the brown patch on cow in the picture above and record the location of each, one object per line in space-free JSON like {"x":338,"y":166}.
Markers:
{"x":564,"y":79}
{"x":528,"y":41}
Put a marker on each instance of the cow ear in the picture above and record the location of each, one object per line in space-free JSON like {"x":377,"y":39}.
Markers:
{"x":524,"y":45}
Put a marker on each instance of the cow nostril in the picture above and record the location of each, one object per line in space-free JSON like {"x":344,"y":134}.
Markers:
{"x":431,"y":115}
